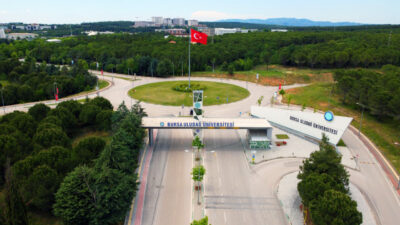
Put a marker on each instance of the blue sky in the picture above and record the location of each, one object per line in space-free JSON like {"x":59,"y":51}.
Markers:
{"x":77,"y":11}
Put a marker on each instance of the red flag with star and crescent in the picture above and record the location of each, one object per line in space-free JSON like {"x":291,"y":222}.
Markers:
{"x":198,"y":37}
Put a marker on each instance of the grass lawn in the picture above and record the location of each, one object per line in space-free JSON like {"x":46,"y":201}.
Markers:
{"x":384,"y":134}
{"x":162,"y":93}
{"x":274,"y":75}
{"x":90,"y":132}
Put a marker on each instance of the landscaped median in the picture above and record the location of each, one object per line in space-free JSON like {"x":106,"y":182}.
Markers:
{"x":171,"y":93}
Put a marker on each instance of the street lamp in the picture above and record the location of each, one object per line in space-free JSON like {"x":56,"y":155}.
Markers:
{"x":362,"y":114}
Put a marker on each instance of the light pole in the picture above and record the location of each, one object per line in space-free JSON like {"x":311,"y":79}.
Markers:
{"x":2,"y":99}
{"x":362,"y":114}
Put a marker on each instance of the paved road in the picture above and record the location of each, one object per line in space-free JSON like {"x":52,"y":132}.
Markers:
{"x":235,"y":193}
{"x":168,"y":194}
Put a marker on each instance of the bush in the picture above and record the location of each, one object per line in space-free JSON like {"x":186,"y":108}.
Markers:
{"x":103,"y":120}
{"x":87,"y":150}
{"x":51,"y":137}
{"x":103,"y":103}
{"x":185,"y":87}
{"x":73,"y":106}
{"x":39,"y":111}
{"x":89,"y":113}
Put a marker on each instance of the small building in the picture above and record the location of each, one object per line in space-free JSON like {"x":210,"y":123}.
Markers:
{"x":279,"y":30}
{"x":259,"y":139}
{"x":143,"y":24}
{"x":54,"y":40}
{"x":192,"y":23}
{"x":20,"y":36}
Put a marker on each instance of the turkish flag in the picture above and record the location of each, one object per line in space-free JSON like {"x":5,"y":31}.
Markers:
{"x":198,"y":37}
{"x":280,"y":86}
{"x":101,"y":71}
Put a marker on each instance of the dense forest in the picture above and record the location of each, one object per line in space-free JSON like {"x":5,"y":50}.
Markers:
{"x":377,"y":92}
{"x":43,"y":161}
{"x":27,"y":81}
{"x":154,"y":55}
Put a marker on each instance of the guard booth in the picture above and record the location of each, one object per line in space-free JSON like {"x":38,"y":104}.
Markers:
{"x":259,"y":139}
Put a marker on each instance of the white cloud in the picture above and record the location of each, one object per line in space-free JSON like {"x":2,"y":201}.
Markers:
{"x":214,"y":15}
{"x":3,"y":12}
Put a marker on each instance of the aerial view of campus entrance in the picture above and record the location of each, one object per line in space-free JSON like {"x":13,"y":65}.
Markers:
{"x":199,"y":112}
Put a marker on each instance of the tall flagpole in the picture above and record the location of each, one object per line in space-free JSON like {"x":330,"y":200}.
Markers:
{"x":190,"y":36}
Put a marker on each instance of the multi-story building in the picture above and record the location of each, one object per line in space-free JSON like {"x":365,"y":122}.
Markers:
{"x":157,"y":20}
{"x":222,"y":31}
{"x":178,"y":21}
{"x":175,"y":31}
{"x":167,"y":21}
{"x":192,"y":23}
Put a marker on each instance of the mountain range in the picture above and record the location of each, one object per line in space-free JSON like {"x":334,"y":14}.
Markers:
{"x":293,"y":22}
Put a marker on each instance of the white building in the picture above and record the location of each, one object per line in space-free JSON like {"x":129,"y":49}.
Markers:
{"x":2,"y":34}
{"x":54,"y":40}
{"x":222,"y":31}
{"x":157,"y":20}
{"x":167,"y":21}
{"x":279,"y":30}
{"x":143,"y":24}
{"x":44,"y":27}
{"x":308,"y":125}
{"x":178,"y":21}
{"x":20,"y":36}
{"x":193,"y":23}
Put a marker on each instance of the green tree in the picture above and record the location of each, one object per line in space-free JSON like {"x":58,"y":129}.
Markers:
{"x":314,"y":186}
{"x":327,"y":161}
{"x":15,"y":210}
{"x":198,"y":173}
{"x":103,"y":120}
{"x":203,"y":221}
{"x":87,"y":150}
{"x":76,"y":198}
{"x":39,"y":111}
{"x":101,"y":102}
{"x":259,"y":101}
{"x":335,"y":208}
{"x":51,"y":137}
{"x":89,"y":113}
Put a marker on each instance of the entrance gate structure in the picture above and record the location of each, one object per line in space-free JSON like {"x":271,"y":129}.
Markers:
{"x":259,"y":130}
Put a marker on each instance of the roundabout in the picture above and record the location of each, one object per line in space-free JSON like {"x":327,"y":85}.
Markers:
{"x":176,"y":93}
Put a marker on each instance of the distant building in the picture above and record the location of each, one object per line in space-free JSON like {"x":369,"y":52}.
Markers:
{"x":207,"y":30}
{"x":33,"y":26}
{"x":192,"y":23}
{"x":20,"y":36}
{"x":93,"y":33}
{"x":45,"y":27}
{"x":279,"y":30}
{"x":157,"y":20}
{"x":20,"y":27}
{"x":167,"y":21}
{"x":178,"y":21}
{"x":143,"y":24}
{"x":2,"y":34}
{"x":54,"y":40}
{"x":175,"y":32}
{"x":222,"y":31}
